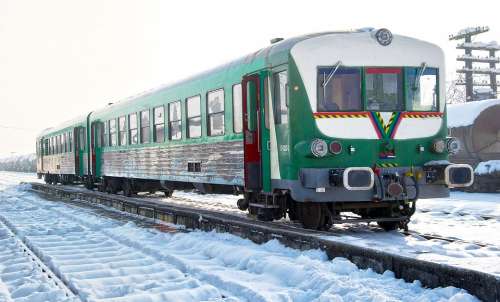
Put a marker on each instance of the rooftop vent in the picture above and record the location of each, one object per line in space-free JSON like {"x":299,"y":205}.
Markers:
{"x":276,"y":40}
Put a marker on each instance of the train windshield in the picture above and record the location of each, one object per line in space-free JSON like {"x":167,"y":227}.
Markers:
{"x":339,"y":89}
{"x":384,"y":89}
{"x":422,"y":89}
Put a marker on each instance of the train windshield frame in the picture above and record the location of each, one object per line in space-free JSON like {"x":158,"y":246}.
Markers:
{"x":339,"y":89}
{"x":384,"y":89}
{"x":380,"y":89}
{"x":422,"y":89}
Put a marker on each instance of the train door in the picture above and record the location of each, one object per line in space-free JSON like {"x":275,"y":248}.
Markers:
{"x":96,"y":142}
{"x":256,"y":133}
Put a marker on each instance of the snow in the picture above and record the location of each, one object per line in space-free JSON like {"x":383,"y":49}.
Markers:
{"x":460,"y":115}
{"x":109,"y":260}
{"x":493,"y":45}
{"x":487,"y":167}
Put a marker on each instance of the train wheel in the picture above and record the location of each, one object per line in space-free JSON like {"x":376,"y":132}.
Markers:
{"x":310,"y":215}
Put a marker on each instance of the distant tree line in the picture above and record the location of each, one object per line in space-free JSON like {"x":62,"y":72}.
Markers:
{"x":19,"y":164}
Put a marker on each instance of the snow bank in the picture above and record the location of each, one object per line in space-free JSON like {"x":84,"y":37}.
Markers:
{"x":487,"y":167}
{"x":460,"y":115}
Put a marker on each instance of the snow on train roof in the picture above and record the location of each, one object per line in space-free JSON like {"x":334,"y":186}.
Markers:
{"x":461,"y":115}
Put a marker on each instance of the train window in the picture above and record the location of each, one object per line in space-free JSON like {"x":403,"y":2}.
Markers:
{"x":281,"y":97}
{"x":132,"y":129}
{"x":51,"y":146}
{"x":423,"y":89}
{"x":70,"y":142}
{"x":237,"y":109}
{"x":145,"y":127}
{"x":58,"y":144}
{"x":384,"y":89}
{"x":339,"y":89}
{"x":215,"y":110}
{"x":159,"y":124}
{"x":106,"y":134}
{"x":122,"y":131}
{"x":46,"y":146}
{"x":193,"y":105}
{"x":83,"y":140}
{"x":174,"y":122}
{"x":112,"y":133}
{"x":64,"y":146}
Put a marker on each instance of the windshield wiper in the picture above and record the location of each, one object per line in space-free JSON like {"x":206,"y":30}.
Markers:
{"x":419,"y":75}
{"x":332,"y":73}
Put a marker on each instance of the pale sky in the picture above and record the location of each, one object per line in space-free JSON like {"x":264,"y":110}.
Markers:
{"x":62,"y":58}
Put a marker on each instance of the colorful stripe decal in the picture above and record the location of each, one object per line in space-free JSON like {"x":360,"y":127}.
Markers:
{"x":384,"y":130}
{"x":319,"y":115}
{"x":387,"y":165}
{"x":422,"y":114}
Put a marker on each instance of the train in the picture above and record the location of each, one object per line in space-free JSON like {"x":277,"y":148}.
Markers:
{"x":477,"y":127}
{"x":324,"y":128}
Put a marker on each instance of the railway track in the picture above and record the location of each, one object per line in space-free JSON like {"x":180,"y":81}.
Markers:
{"x":430,"y":274}
{"x":17,"y":252}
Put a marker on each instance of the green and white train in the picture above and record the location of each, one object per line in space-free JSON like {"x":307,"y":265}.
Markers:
{"x":311,"y":127}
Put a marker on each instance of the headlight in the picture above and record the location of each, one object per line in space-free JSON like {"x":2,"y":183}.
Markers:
{"x":438,"y":146}
{"x":319,"y":148}
{"x":453,"y":145}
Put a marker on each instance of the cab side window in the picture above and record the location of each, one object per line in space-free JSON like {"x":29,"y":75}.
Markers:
{"x":281,"y":97}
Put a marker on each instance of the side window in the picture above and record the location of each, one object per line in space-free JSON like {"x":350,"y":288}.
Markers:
{"x":70,"y":142}
{"x":174,"y":122}
{"x":145,"y":127}
{"x":83,"y":141}
{"x":46,"y":146}
{"x":106,"y":134}
{"x":122,"y":133}
{"x":193,"y":116}
{"x":215,"y":110}
{"x":112,"y":132}
{"x":237,"y":109}
{"x":64,"y":143}
{"x":281,"y":97}
{"x":58,"y":144}
{"x":51,"y":146}
{"x":132,"y":129}
{"x":159,"y":122}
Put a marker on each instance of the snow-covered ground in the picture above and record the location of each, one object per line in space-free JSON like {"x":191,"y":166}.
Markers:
{"x":109,"y":260}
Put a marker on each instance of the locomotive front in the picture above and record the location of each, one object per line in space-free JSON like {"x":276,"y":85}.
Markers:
{"x":368,"y":129}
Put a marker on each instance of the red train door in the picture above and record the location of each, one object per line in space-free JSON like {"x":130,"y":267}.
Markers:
{"x":251,"y":132}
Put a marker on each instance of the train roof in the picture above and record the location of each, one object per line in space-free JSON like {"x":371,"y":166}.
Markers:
{"x":78,"y":121}
{"x":272,"y":55}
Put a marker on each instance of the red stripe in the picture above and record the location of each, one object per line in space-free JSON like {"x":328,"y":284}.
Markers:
{"x":383,"y":70}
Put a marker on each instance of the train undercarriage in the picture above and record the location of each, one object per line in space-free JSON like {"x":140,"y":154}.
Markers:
{"x":312,"y":215}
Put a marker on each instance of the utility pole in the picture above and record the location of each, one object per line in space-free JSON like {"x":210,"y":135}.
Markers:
{"x":471,"y":70}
